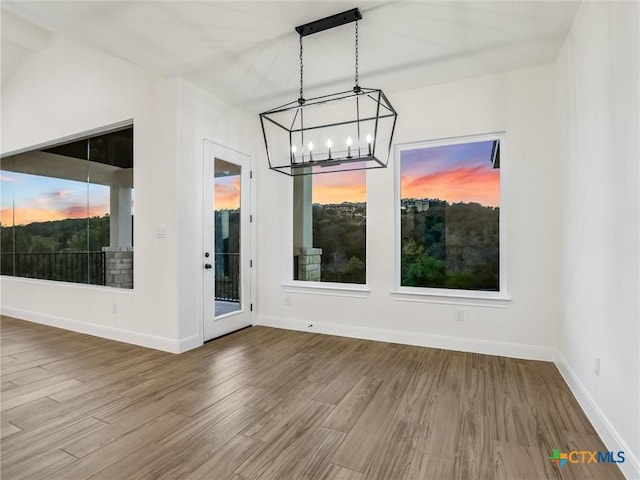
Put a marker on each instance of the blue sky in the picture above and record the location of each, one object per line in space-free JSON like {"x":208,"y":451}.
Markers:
{"x":39,"y":199}
{"x":455,"y":173}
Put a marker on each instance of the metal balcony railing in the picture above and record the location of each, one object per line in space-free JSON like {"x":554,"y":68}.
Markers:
{"x":227,"y":276}
{"x":89,"y":268}
{"x":76,"y":267}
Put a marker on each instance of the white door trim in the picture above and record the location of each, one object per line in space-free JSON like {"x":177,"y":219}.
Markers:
{"x":242,"y":318}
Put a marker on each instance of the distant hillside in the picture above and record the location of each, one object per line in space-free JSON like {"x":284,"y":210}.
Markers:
{"x":340,"y":231}
{"x":450,"y":245}
{"x":69,"y":235}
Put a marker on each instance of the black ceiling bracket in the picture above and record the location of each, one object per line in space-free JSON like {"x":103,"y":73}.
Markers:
{"x":329,"y":22}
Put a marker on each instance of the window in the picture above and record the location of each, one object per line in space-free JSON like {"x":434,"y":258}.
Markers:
{"x":66,"y":212}
{"x":227,"y":232}
{"x":450,"y":215}
{"x":329,"y":227}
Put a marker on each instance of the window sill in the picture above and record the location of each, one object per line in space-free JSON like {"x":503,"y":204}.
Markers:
{"x":455,"y":297}
{"x":57,"y":283}
{"x":332,"y":289}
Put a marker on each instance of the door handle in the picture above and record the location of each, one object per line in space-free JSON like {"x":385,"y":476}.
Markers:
{"x":207,"y":266}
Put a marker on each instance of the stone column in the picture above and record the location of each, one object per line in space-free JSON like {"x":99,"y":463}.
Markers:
{"x":309,"y":263}
{"x":119,"y":255}
{"x":118,"y":266}
{"x":302,"y":212}
{"x":309,"y":258}
{"x":120,"y":217}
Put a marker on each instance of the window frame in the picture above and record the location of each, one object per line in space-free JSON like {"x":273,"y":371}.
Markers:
{"x":93,"y":132}
{"x":338,"y":289}
{"x":448,"y":295}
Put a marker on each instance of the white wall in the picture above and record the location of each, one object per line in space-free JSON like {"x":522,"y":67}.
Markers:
{"x":201,"y":116}
{"x":572,"y":200}
{"x":521,"y":103}
{"x":599,"y":102}
{"x":67,"y":89}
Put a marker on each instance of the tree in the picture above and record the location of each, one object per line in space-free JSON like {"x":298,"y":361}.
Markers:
{"x":40,"y":244}
{"x":354,"y":271}
{"x":343,"y":243}
{"x":419,"y":269}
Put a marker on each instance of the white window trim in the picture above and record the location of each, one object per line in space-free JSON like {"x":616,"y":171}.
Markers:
{"x":104,"y":129}
{"x":451,"y":297}
{"x":444,"y":295}
{"x":336,"y":289}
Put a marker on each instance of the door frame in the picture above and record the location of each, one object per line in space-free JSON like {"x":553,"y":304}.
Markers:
{"x":211,"y":151}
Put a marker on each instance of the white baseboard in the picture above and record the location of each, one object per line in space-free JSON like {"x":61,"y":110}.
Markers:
{"x":189,"y":343}
{"x":612,"y":440}
{"x":104,"y":331}
{"x":513,"y":350}
{"x":609,"y":435}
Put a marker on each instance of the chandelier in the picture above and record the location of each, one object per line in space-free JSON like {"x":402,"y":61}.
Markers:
{"x":349,"y":130}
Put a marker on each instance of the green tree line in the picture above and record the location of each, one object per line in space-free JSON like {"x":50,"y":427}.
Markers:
{"x":342,"y":239}
{"x":451,"y":246}
{"x":68,"y":235}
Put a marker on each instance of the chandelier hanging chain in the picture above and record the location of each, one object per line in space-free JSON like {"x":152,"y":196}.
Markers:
{"x":356,"y":86}
{"x":337,"y":132}
{"x":301,"y":99}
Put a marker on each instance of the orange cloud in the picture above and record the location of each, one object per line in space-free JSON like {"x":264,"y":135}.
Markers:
{"x":226,"y":196}
{"x":339,"y":193}
{"x":27,"y":215}
{"x":340,"y":187}
{"x":464,"y":184}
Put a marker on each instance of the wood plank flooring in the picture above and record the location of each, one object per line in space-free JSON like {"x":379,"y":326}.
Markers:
{"x":266,"y":403}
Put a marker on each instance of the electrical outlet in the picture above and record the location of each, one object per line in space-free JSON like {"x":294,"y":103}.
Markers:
{"x":287,"y":301}
{"x":114,"y":308}
{"x":596,"y":366}
{"x":459,"y":315}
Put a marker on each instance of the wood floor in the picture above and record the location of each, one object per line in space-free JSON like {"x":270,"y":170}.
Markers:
{"x":265,"y":403}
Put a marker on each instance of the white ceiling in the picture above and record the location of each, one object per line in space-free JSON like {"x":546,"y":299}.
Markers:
{"x":247,"y":52}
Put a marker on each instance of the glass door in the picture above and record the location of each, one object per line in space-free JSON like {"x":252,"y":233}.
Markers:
{"x":226,"y":262}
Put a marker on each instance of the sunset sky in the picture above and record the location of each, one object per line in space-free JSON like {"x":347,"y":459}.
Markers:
{"x":455,"y":173}
{"x":329,"y":188}
{"x":42,"y":199}
{"x":226,"y":193}
{"x":340,"y":187}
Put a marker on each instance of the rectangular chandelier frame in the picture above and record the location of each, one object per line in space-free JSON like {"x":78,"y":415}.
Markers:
{"x":299,"y":136}
{"x":361,"y":157}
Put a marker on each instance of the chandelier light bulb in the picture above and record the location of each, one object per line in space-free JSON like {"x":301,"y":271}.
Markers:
{"x":284,"y":124}
{"x":310,"y":150}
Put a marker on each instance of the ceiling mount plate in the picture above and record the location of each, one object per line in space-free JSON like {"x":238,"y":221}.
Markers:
{"x":329,"y":22}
